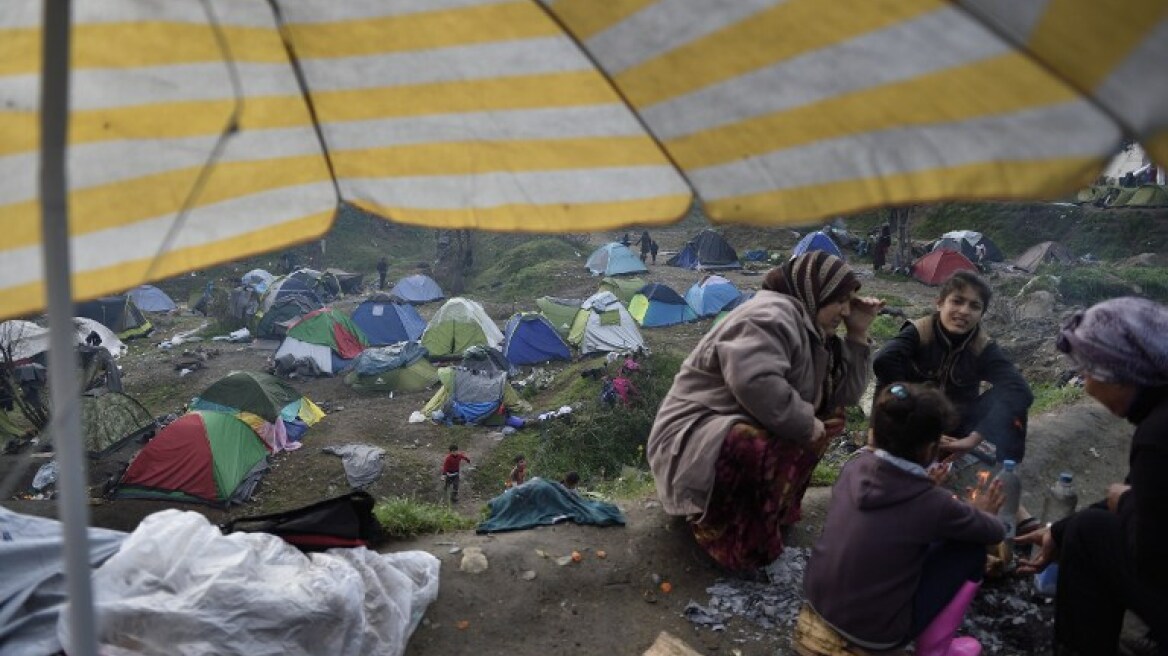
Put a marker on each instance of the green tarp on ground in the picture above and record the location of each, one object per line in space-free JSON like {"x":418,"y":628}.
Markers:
{"x":539,"y":502}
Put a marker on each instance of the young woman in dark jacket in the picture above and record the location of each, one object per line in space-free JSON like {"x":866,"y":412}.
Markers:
{"x":1113,"y":556}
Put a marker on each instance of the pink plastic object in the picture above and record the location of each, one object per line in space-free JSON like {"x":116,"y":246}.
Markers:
{"x":937,"y":638}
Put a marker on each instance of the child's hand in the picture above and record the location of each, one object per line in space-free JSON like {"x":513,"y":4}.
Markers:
{"x":960,"y":445}
{"x":1046,"y":551}
{"x":989,"y":497}
{"x":941,"y":472}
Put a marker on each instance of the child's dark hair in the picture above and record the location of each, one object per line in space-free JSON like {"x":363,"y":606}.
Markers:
{"x":518,"y":458}
{"x":967,"y":280}
{"x":907,"y":416}
{"x":571,"y":479}
{"x":453,"y":448}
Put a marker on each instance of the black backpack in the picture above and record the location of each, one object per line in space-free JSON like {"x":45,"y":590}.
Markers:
{"x":344,"y":521}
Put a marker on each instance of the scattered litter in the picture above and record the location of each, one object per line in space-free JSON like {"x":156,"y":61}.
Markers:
{"x":703,"y":616}
{"x":1094,"y":452}
{"x":473,"y":561}
{"x":363,"y":463}
{"x":416,"y":417}
{"x":563,"y":560}
{"x":541,"y":553}
{"x":455,"y":550}
{"x":183,"y":372}
{"x":45,"y":476}
{"x":529,"y":575}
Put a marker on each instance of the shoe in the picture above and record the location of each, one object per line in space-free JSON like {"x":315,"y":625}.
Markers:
{"x":938,"y":637}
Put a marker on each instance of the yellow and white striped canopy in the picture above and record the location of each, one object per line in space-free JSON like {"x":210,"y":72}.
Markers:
{"x":573,"y":115}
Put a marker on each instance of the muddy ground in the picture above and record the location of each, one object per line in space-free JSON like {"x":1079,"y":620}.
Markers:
{"x":610,"y":605}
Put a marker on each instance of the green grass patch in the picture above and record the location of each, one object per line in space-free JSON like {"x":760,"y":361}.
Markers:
{"x":631,"y":484}
{"x":1048,"y":396}
{"x":1151,"y":282}
{"x":1089,"y":285}
{"x":528,"y":270}
{"x":825,"y":473}
{"x":884,"y":328}
{"x":406,"y":518}
{"x":892,"y":300}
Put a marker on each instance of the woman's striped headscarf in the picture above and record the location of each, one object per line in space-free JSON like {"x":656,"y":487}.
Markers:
{"x":813,"y":278}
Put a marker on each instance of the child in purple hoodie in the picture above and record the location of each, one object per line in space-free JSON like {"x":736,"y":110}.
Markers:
{"x":896,"y":547}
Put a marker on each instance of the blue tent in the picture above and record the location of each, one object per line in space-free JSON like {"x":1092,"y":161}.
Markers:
{"x":614,"y":259}
{"x":817,"y":241}
{"x":417,"y":289}
{"x":149,"y":298}
{"x":530,"y":339}
{"x":711,"y":295}
{"x":385,"y":322}
{"x":658,"y":305}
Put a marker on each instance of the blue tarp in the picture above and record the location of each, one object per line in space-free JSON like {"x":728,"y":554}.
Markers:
{"x":817,"y":241}
{"x":530,"y":339}
{"x":539,"y":502}
{"x":384,"y":322}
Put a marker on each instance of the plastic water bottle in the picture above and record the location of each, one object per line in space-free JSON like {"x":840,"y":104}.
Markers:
{"x":1061,"y":499}
{"x":1012,"y":490}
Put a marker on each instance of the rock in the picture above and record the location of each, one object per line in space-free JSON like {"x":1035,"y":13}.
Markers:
{"x":473,"y":561}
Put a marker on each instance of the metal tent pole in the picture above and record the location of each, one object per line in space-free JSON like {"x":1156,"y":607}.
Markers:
{"x":65,"y":427}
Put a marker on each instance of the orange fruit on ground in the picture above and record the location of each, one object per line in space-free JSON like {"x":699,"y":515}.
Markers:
{"x":462,"y":624}
{"x":602,"y":554}
{"x":576,"y":557}
{"x":666,"y":587}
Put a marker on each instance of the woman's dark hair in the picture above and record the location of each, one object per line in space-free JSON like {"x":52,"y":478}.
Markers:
{"x":907,"y":416}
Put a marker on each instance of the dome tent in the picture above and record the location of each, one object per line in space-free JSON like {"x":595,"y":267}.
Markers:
{"x":711,"y":295}
{"x":659,"y":305}
{"x":417,"y":289}
{"x":614,"y":259}
{"x":603,"y":324}
{"x":817,"y":241}
{"x":459,"y":324}
{"x":708,"y":250}
{"x":530,"y":339}
{"x":385,"y":321}
{"x":936,"y":267}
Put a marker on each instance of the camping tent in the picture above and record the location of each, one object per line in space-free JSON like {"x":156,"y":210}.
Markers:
{"x":25,"y":339}
{"x":119,"y":314}
{"x":149,"y":298}
{"x":937,"y":266}
{"x":1047,"y":251}
{"x":274,"y":322}
{"x":614,"y":259}
{"x":962,"y":246}
{"x":205,"y":457}
{"x":348,"y":283}
{"x":816,"y":241}
{"x":257,"y":279}
{"x":459,"y":324}
{"x":417,"y":289}
{"x":708,"y":250}
{"x":530,"y":339}
{"x":474,"y":397}
{"x":992,"y":252}
{"x":659,"y":305}
{"x":331,"y":328}
{"x":397,"y":368}
{"x":1149,"y":195}
{"x":561,"y":312}
{"x":302,"y":282}
{"x":603,"y":324}
{"x":711,"y":295}
{"x":260,"y":394}
{"x":385,"y":322}
{"x":109,"y":419}
{"x":623,"y":288}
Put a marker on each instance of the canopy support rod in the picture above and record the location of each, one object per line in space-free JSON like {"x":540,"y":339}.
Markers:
{"x":65,"y":425}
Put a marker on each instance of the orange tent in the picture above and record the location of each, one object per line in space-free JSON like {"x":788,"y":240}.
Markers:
{"x":936,"y":267}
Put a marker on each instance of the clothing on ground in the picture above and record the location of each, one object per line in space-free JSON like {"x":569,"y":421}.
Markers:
{"x":540,"y":502}
{"x":363,"y":463}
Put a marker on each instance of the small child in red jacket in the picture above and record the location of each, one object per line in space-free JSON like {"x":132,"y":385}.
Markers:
{"x":452,"y":471}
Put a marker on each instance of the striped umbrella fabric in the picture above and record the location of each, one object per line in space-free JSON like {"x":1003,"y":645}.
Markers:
{"x":572,"y":115}
{"x":781,"y":111}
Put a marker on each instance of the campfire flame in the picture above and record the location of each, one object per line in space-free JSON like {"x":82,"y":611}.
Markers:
{"x":982,"y":478}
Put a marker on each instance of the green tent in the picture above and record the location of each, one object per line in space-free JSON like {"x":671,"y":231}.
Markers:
{"x":331,"y":328}
{"x":1149,"y":195}
{"x":623,"y":288}
{"x":396,"y":368}
{"x":458,"y":325}
{"x":1121,"y":199}
{"x":110,"y":418}
{"x":261,"y":394}
{"x":561,"y":312}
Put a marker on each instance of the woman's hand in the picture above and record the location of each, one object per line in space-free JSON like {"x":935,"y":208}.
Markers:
{"x":819,"y":436}
{"x":1114,"y":492}
{"x":861,"y":313}
{"x":940,"y":472}
{"x":1046,"y":551}
{"x":960,"y":444}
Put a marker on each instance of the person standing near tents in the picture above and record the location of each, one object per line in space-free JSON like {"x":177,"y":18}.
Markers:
{"x":756,"y":404}
{"x":452,"y":471}
{"x":382,"y":271}
{"x":883,"y":243}
{"x":653,"y":251}
{"x":646,"y":243}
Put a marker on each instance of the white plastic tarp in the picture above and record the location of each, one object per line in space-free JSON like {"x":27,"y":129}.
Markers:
{"x":180,"y":587}
{"x":299,"y":349}
{"x":32,"y":587}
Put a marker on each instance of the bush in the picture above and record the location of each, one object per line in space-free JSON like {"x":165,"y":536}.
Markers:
{"x":1048,"y":397}
{"x":1089,"y":285}
{"x":406,"y":518}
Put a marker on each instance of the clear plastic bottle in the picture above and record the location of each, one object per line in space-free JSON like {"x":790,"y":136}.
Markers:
{"x":1012,"y":490}
{"x":1061,"y":499}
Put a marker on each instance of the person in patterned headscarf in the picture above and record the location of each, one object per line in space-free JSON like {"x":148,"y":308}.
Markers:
{"x":755,"y":405}
{"x":1111,"y":555}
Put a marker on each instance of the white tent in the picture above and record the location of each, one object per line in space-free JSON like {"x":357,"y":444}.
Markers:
{"x":604,"y":324}
{"x":460,"y":323}
{"x":320,"y":354}
{"x":27,"y":339}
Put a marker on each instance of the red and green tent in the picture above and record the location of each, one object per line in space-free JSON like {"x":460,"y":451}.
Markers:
{"x":328,"y":327}
{"x":204,"y":457}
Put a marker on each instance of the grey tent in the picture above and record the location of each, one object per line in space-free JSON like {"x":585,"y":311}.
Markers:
{"x":708,"y":250}
{"x":1047,"y":251}
{"x":110,"y":419}
{"x":993,"y":253}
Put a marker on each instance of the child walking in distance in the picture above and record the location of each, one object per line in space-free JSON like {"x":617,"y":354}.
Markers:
{"x":900,"y":558}
{"x":452,"y":472}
